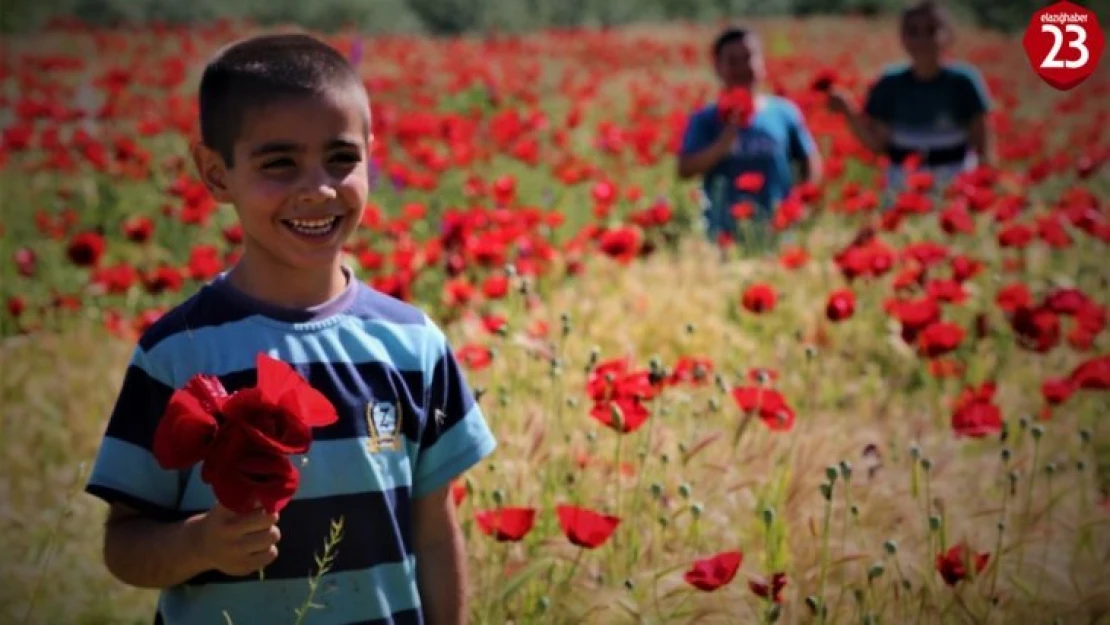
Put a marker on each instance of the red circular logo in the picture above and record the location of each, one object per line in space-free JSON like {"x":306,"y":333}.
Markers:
{"x":1064,"y":44}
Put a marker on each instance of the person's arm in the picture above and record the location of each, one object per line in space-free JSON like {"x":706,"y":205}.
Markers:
{"x":868,"y":124}
{"x":440,"y":559}
{"x":979,"y":138}
{"x":701,"y":152}
{"x":146,"y":541}
{"x":977,"y":103}
{"x":454,"y":437}
{"x":803,"y":147}
{"x":146,"y":553}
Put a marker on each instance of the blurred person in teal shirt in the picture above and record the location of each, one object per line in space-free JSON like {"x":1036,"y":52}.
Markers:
{"x":767,"y":145}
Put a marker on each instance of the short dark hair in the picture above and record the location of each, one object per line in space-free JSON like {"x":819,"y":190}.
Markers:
{"x":254,"y":72}
{"x":729,"y":35}
{"x":930,"y":8}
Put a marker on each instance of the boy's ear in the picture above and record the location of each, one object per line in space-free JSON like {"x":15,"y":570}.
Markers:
{"x":212,"y":171}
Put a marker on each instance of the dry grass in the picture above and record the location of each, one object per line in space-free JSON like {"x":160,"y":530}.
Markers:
{"x":58,"y":390}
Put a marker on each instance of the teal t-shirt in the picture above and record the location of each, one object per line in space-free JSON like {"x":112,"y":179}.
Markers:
{"x":776,"y":136}
{"x":930,"y":117}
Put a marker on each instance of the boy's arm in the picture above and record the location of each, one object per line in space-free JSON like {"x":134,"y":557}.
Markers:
{"x":803,"y":147}
{"x":454,"y":438}
{"x":438,"y":540}
{"x":870,"y":124}
{"x":142,"y":552}
{"x":700,"y":152}
{"x":978,"y":105}
{"x":147,"y":542}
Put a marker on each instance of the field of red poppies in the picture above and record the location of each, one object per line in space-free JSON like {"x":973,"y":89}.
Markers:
{"x":887,"y":417}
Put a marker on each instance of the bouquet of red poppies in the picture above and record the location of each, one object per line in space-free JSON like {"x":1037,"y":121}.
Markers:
{"x":736,"y":100}
{"x":244,"y":439}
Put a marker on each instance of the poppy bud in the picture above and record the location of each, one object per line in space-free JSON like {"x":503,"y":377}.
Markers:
{"x":768,"y":516}
{"x":891,"y":547}
{"x":876,"y":571}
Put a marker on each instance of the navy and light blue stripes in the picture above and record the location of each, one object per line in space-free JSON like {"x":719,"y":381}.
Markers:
{"x":358,"y":350}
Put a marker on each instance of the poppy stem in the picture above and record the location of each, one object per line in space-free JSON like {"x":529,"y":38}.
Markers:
{"x":1048,"y":527}
{"x":570,"y":572}
{"x":1029,"y":495}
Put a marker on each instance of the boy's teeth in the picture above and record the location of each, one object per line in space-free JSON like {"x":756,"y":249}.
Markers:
{"x":312,"y":223}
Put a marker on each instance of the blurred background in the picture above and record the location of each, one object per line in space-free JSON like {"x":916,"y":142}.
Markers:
{"x":455,"y":17}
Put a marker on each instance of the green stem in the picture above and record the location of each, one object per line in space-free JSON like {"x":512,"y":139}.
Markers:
{"x":1048,"y":530}
{"x":822,"y":608}
{"x":1029,"y":497}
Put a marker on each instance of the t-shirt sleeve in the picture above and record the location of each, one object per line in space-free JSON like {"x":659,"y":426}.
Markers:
{"x":124,"y":469}
{"x":879,"y":102}
{"x":802,"y":143}
{"x":975,"y":94}
{"x":697,"y":136}
{"x":455,"y":435}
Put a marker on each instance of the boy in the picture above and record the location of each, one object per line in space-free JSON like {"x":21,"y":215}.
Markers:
{"x":721,"y":150}
{"x":285,"y":135}
{"x":926,"y":107}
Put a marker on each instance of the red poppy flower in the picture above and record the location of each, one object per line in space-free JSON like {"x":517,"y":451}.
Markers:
{"x":506,"y":524}
{"x":691,"y":370}
{"x":244,"y":476}
{"x":1037,"y":328}
{"x":186,"y":431}
{"x":769,"y":590}
{"x":475,"y":356}
{"x":736,"y":100}
{"x":975,"y":414}
{"x":939,"y":339}
{"x":632,"y":413}
{"x":953,"y":564}
{"x":1057,"y":391}
{"x":759,"y":298}
{"x":749,"y":182}
{"x":1093,"y":374}
{"x":768,"y":403}
{"x":86,"y":249}
{"x":841,"y":305}
{"x":243,"y":439}
{"x":711,"y":573}
{"x":585,"y":528}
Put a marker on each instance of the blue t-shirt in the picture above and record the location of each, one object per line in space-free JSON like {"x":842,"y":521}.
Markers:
{"x":777,"y":135}
{"x":928,"y":117}
{"x":393,"y":379}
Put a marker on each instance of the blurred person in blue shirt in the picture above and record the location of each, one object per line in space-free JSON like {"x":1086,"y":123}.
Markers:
{"x":767,"y":145}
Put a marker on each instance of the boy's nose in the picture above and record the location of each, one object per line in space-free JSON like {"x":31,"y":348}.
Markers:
{"x":317,"y":193}
{"x":318,"y":188}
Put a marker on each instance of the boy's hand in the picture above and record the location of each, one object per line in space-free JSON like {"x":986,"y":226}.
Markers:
{"x":238,"y":544}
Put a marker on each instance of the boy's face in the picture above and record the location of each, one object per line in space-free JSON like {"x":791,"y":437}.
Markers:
{"x":923,"y":36}
{"x":299,"y":182}
{"x":740,"y":63}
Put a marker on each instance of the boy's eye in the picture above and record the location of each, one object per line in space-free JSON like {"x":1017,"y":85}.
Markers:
{"x":278,"y":163}
{"x":346,"y":157}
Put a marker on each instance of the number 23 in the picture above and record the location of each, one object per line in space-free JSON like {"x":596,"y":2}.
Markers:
{"x":1078,"y":43}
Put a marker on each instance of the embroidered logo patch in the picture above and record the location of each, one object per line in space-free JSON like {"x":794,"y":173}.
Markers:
{"x":383,"y":424}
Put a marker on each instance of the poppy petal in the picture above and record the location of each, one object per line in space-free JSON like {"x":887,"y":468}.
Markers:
{"x":185,"y":432}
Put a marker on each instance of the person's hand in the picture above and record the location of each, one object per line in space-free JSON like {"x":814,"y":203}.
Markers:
{"x":237,"y":544}
{"x":839,"y":102}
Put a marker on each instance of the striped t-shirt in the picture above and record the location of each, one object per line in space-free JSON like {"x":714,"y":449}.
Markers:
{"x":392,"y":377}
{"x":928,"y":117}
